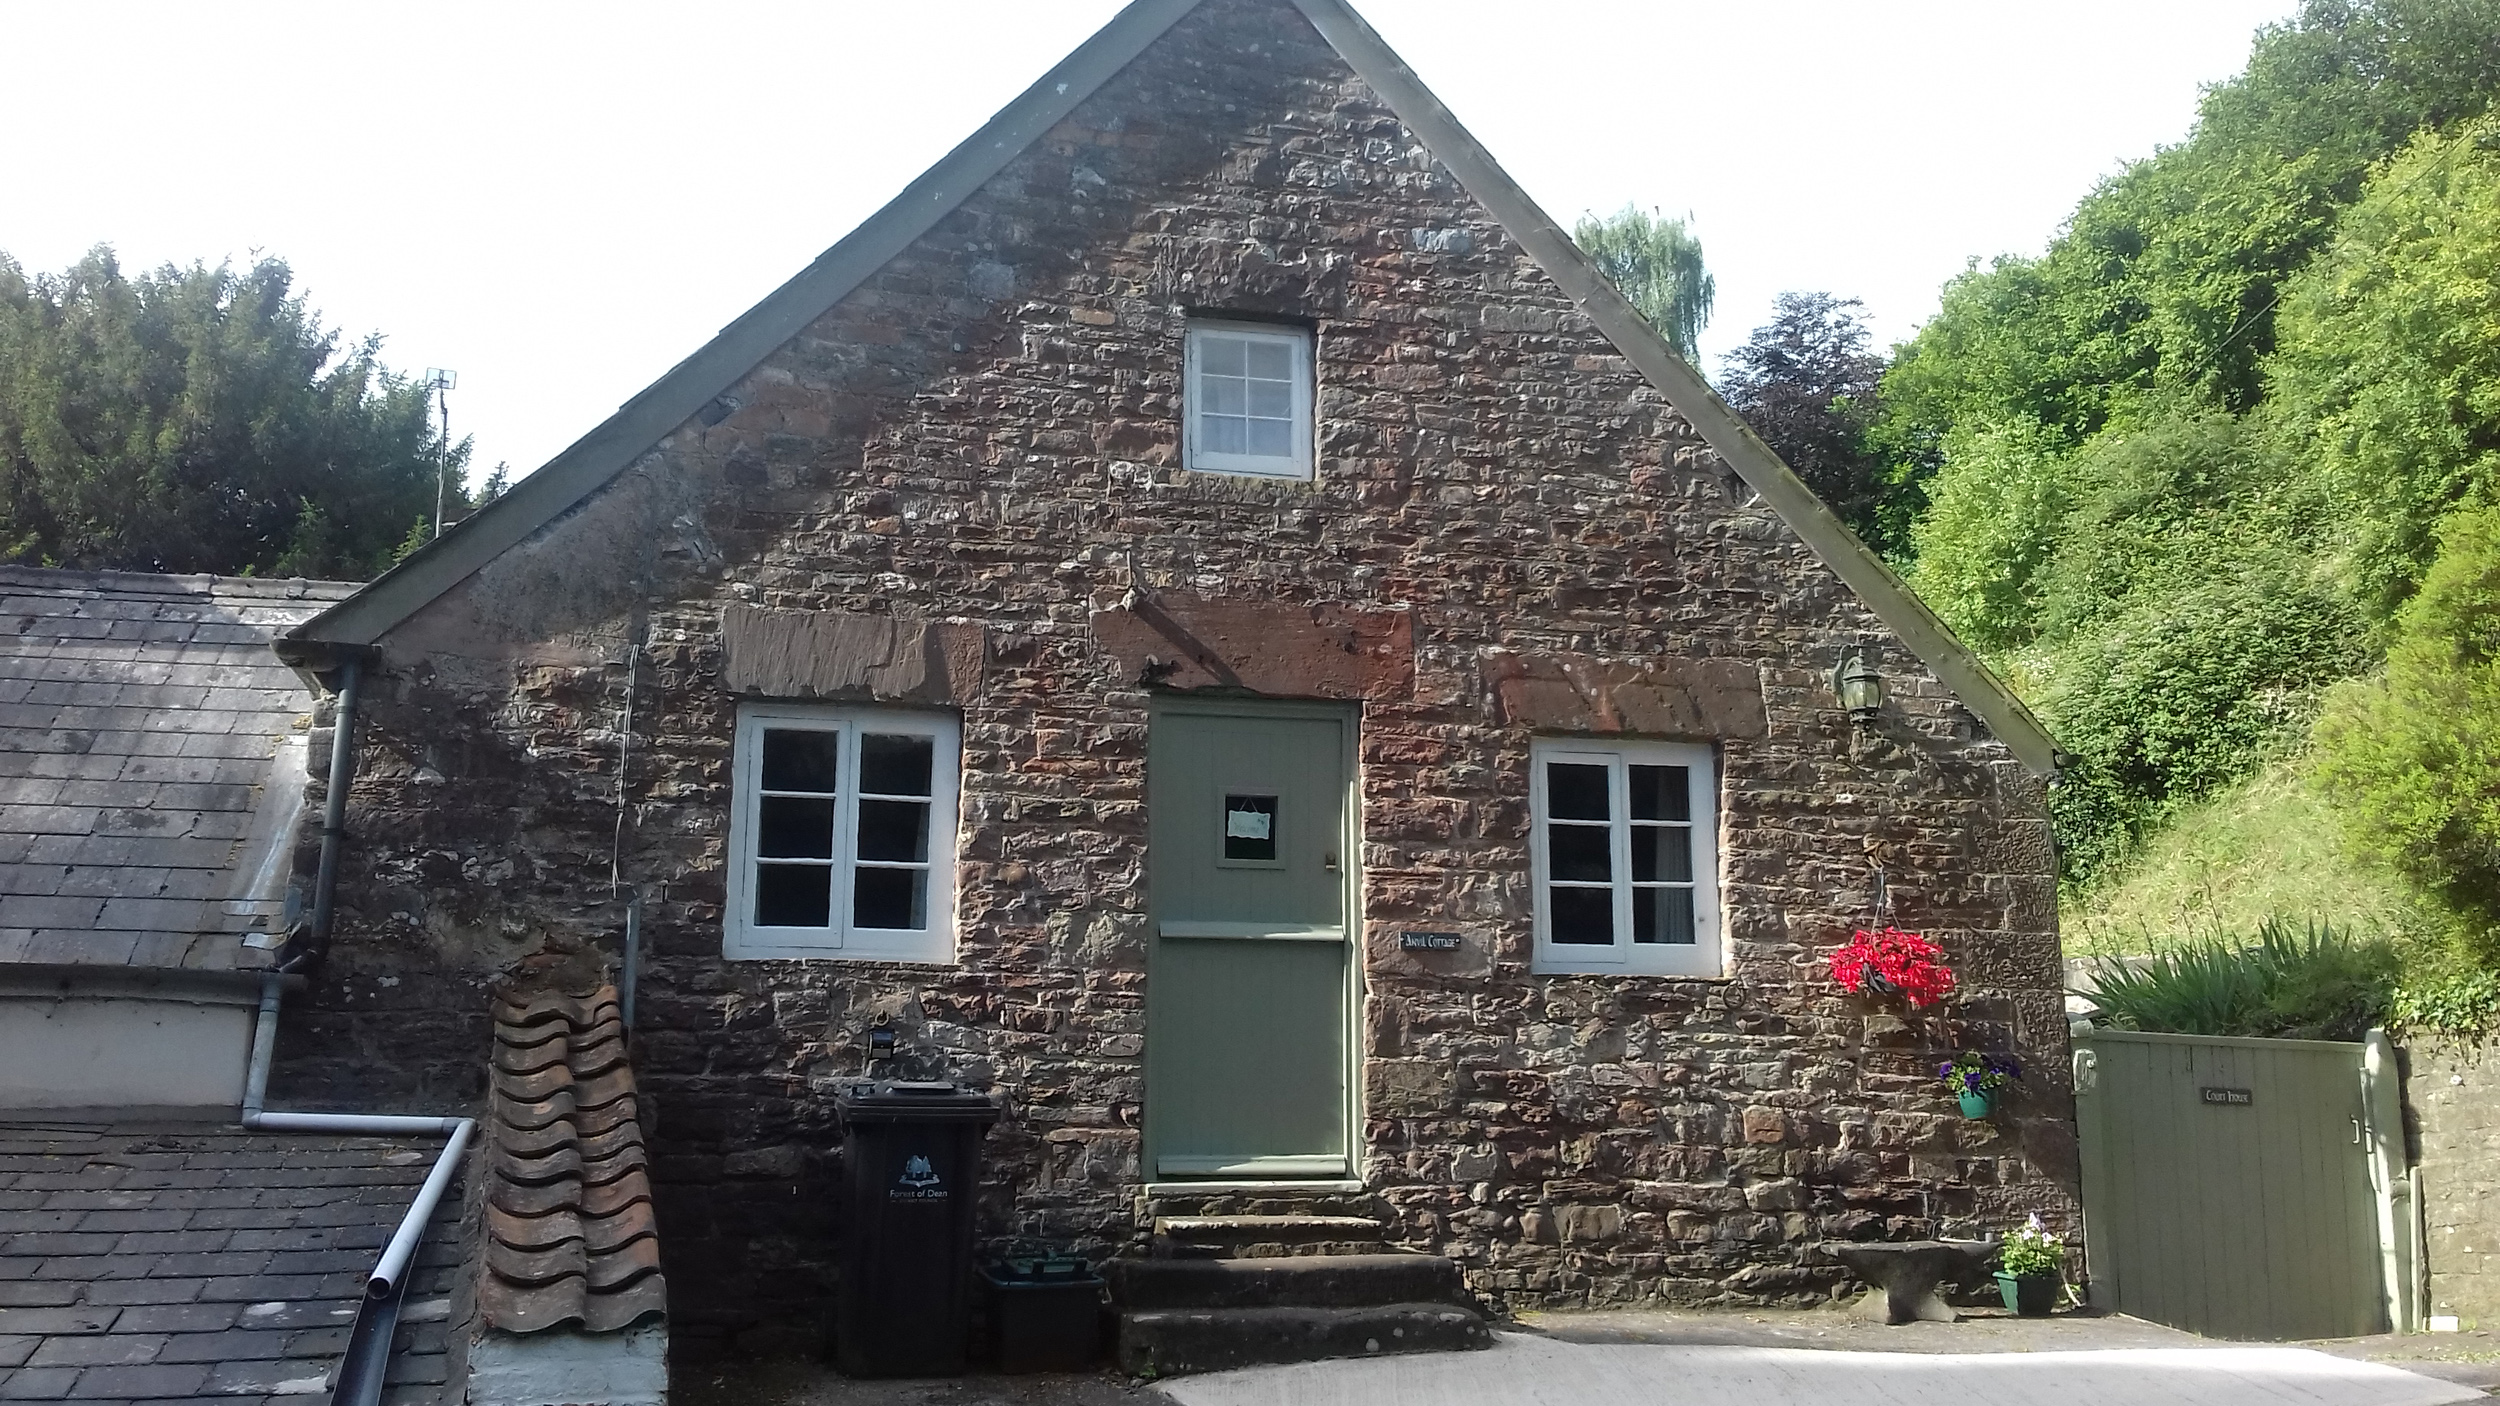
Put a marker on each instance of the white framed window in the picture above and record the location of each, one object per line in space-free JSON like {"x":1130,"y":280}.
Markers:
{"x":1625,"y":846}
{"x":842,"y":834}
{"x":1246,"y":405}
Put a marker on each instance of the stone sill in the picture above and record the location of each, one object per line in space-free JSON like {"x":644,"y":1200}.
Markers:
{"x":1315,"y":1188}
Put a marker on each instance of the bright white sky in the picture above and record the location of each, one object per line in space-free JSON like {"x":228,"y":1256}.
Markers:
{"x":560,"y":201}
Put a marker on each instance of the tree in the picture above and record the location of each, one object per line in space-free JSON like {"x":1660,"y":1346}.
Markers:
{"x":1657,"y":263}
{"x":201,"y":419}
{"x":1807,"y":384}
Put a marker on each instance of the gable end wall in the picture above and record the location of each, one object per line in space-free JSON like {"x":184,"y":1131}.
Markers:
{"x":980,"y":444}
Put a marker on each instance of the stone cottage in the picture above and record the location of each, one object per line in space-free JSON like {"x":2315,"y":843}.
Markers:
{"x":1207,"y":618}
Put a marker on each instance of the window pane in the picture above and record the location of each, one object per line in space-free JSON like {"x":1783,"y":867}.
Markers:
{"x":1583,"y":916}
{"x":1271,"y":361}
{"x":1223,"y":395}
{"x":1272,"y":438}
{"x":1574,"y":792}
{"x":1224,"y":356}
{"x":1662,"y":852}
{"x":789,"y":827}
{"x":1662,"y":793}
{"x":1273,"y":399}
{"x":1250,"y":827}
{"x":1663,"y":916}
{"x":801,"y":761}
{"x":892,"y":765}
{"x":1222,"y":435}
{"x":1579,"y":853}
{"x":890,"y":898}
{"x":896,"y":830}
{"x":793,"y":896}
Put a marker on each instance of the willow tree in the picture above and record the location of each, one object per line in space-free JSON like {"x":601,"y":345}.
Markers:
{"x":1657,"y":263}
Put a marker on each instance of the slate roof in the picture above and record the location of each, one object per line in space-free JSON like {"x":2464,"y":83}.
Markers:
{"x":148,"y":1261}
{"x":570,"y":1237}
{"x":151,"y":763}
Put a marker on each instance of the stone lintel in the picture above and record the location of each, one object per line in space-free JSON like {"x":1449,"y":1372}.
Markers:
{"x":1322,"y":649}
{"x":1705,"y":699}
{"x":836,"y":654}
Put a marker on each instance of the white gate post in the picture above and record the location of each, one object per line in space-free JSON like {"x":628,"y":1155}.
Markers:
{"x":2391,"y":1185}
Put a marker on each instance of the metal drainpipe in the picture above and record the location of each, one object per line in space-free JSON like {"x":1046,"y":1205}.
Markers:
{"x":367,"y":1359}
{"x":334,"y":803}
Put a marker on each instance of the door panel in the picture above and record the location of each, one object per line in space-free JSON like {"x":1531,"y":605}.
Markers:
{"x":1248,"y":990}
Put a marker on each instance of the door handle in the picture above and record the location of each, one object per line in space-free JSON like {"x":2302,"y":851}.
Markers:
{"x":2356,"y":1132}
{"x":1331,"y":861}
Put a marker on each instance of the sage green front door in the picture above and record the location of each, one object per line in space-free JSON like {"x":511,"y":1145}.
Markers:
{"x":1249,"y":987}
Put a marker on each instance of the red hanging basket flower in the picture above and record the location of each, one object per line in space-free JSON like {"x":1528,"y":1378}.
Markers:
{"x":1893,"y":960}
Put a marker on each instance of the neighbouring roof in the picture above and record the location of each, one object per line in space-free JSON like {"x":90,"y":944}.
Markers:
{"x":147,"y":1261}
{"x":151,"y":761}
{"x":695,"y":382}
{"x":570,"y":1237}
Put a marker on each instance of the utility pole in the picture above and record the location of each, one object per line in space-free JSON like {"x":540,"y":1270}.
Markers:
{"x":441,"y":382}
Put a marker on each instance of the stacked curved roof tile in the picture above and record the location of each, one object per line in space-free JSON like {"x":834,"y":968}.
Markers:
{"x":570,"y":1238}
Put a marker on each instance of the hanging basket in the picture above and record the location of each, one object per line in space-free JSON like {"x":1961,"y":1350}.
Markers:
{"x":1978,"y":1103}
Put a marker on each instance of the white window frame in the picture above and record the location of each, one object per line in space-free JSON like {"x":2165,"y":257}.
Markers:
{"x":1704,"y":956}
{"x":1297,"y":465}
{"x":742,"y":938}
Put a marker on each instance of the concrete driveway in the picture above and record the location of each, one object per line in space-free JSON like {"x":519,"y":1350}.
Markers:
{"x":1531,"y":1370}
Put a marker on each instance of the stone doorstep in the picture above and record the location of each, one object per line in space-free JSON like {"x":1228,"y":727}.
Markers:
{"x":1306,"y":1281}
{"x":1169,"y":1342}
{"x":1247,"y":1237}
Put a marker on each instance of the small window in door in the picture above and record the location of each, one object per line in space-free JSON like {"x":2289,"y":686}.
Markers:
{"x":1246,"y":399}
{"x":1625,"y":855}
{"x":842,"y":835}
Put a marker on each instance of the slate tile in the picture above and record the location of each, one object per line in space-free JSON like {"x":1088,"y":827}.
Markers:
{"x":298,"y":1315}
{"x":90,"y":1318}
{"x":161,"y":1379}
{"x":262,"y":1288}
{"x":174,"y":1242}
{"x":38,"y":1383}
{"x":238,"y":1345}
{"x":98,"y":1349}
{"x":15,"y":1350}
{"x":145,"y":1291}
{"x":270,"y":1378}
{"x":37,"y":1293}
{"x":151,"y":1217}
{"x":178,"y":1318}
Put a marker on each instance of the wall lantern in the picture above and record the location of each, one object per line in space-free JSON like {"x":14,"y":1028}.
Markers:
{"x":1859,"y":688}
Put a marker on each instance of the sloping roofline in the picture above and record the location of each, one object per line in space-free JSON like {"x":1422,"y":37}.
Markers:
{"x":720,"y":363}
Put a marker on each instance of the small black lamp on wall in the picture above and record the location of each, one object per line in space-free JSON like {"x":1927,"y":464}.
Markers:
{"x":1859,"y":688}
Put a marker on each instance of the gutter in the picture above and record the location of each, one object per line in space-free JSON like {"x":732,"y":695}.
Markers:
{"x":366,"y":1364}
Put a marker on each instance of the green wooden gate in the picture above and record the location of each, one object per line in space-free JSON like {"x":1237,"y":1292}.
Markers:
{"x":2228,"y":1184}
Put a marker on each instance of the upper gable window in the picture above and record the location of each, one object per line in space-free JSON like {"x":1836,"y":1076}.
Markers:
{"x":1248,"y":402}
{"x":842,"y":834}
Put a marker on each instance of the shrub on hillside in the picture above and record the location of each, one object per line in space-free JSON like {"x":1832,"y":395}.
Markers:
{"x":2185,"y":692}
{"x":2413,"y":755}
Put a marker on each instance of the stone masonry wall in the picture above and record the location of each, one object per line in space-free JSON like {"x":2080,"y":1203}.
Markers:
{"x":986,"y":434}
{"x":2452,"y":1098}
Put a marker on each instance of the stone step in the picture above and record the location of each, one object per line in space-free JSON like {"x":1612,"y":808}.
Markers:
{"x":1237,"y":1237}
{"x":1168,"y":1342}
{"x":1300,"y":1281}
